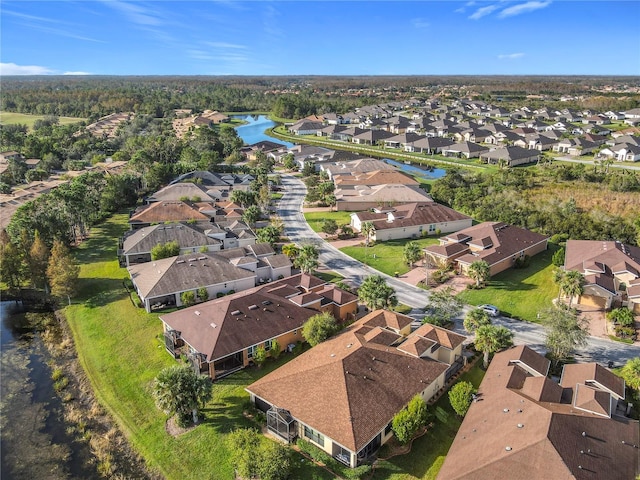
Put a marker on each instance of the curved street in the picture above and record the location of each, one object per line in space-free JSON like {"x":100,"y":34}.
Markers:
{"x":298,"y":231}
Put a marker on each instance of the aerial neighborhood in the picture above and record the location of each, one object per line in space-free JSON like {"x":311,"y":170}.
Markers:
{"x":435,"y":280}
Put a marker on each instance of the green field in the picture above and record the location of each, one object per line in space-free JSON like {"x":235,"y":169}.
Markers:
{"x":119,"y":348}
{"x":519,"y":293}
{"x":429,"y":451}
{"x":315,"y":219}
{"x":10,"y":118}
{"x":386,"y":256}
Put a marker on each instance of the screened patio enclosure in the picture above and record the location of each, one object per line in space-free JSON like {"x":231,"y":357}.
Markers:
{"x":281,"y":423}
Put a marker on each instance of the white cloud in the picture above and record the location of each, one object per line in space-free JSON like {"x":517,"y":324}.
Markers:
{"x":420,"y":22}
{"x":483,"y":11}
{"x":77,"y":73}
{"x":510,"y":56}
{"x":13,"y":69}
{"x":225,"y":45}
{"x":523,"y":8}
{"x":136,"y":13}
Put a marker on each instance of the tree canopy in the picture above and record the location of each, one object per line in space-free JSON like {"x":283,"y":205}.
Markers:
{"x":461,"y":396}
{"x":491,"y":339}
{"x":566,"y":331}
{"x":474,"y":319}
{"x":62,"y":271}
{"x":443,"y":307}
{"x":375,"y":293}
{"x":409,"y":420}
{"x":319,"y":327}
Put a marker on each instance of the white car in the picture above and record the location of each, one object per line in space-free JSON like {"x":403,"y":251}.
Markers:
{"x":492,"y":310}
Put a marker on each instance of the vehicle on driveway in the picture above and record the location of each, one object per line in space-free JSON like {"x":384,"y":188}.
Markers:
{"x":492,"y":310}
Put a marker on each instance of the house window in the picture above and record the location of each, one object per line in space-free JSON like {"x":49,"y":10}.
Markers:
{"x":251,"y":350}
{"x":314,"y":436}
{"x":387,"y":429}
{"x":267,"y":345}
{"x":432,"y":228}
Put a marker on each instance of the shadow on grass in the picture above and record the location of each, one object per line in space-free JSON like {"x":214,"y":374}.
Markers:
{"x":98,"y":292}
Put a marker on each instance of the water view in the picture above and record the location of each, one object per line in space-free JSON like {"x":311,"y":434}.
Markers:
{"x":253,"y":131}
{"x":420,"y":170}
{"x":35,"y":442}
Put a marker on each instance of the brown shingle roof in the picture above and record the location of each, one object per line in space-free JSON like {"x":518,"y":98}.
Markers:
{"x":410,"y":214}
{"x":347,"y":388}
{"x":385,"y":318}
{"x":444,"y":337}
{"x":587,"y":372}
{"x":509,"y":435}
{"x":160,"y":212}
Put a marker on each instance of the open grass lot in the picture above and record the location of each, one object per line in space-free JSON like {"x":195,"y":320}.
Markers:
{"x":10,"y":118}
{"x":315,"y":219}
{"x":118,"y":347}
{"x":386,"y":256}
{"x":519,"y":293}
{"x":428,"y":452}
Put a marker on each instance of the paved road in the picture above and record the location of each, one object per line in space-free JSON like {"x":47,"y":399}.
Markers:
{"x":296,"y":228}
{"x":590,"y":162}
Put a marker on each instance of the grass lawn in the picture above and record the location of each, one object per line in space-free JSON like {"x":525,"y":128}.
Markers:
{"x":428,"y":452}
{"x":315,"y":219}
{"x":386,"y":256}
{"x":329,"y":276}
{"x":10,"y":118}
{"x":519,"y":293}
{"x":118,"y":347}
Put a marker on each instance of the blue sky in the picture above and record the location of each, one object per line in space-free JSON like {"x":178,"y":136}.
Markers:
{"x":227,"y":37}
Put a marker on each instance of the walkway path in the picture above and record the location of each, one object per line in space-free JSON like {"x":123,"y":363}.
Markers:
{"x":298,"y":231}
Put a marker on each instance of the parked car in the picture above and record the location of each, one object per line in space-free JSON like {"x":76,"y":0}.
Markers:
{"x":492,"y":310}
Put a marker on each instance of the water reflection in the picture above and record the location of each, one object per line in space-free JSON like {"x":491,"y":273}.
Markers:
{"x":253,"y":131}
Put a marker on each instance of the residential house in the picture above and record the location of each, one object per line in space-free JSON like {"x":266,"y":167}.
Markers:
{"x":622,"y":152}
{"x":265,"y":146}
{"x":354,"y":167}
{"x":611,"y":270}
{"x":464,"y":149}
{"x":5,"y":157}
{"x":366,"y":197}
{"x":232,"y":233}
{"x":397,"y":125}
{"x":524,"y":425}
{"x":412,"y":220}
{"x":342,"y":394}
{"x":161,"y":212}
{"x":574,"y":146}
{"x":402,"y":140}
{"x":371,"y":137}
{"x":137,"y":244}
{"x":221,"y":336}
{"x":429,"y":145}
{"x":306,"y":127}
{"x":187,"y":191}
{"x":497,"y":243}
{"x":376,"y":177}
{"x":510,"y":156}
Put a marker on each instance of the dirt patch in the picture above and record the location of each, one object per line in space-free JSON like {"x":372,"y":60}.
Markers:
{"x":175,"y":430}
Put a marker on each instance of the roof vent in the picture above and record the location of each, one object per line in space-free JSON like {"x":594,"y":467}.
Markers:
{"x":197,"y":312}
{"x":253,"y":307}
{"x":520,"y":425}
{"x":213,"y":325}
{"x":333,"y":355}
{"x":179,"y":261}
{"x":349,"y":345}
{"x":507,"y":448}
{"x":236,"y":312}
{"x":506,"y":410}
{"x":192,"y":259}
{"x":266,"y":302}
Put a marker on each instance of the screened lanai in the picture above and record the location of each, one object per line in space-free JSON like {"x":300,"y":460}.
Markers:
{"x":281,"y":423}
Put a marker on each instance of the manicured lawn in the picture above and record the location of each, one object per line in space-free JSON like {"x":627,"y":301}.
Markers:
{"x":386,"y":256}
{"x":315,"y":219}
{"x":10,"y":118}
{"x":519,"y":293}
{"x":428,"y":452}
{"x":121,"y":350}
{"x":329,"y":276}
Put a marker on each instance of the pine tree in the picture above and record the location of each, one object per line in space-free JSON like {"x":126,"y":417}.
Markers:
{"x":38,"y":262}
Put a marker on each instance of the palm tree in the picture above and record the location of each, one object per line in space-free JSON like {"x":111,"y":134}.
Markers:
{"x":412,"y":253}
{"x":307,"y":259}
{"x":367,"y":229}
{"x":558,"y":278}
{"x":375,"y":293}
{"x":475,"y":319}
{"x":479,"y":271}
{"x":291,"y":250}
{"x":572,"y":284}
{"x":491,"y":339}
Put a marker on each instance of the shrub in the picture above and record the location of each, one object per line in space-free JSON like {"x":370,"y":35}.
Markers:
{"x":260,"y":355}
{"x":461,"y":396}
{"x":276,"y":349}
{"x":188,"y":298}
{"x":408,"y":421}
{"x":621,"y":316}
{"x":522,"y":262}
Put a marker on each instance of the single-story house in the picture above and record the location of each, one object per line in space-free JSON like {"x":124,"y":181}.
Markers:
{"x":611,"y":270}
{"x":525,"y":425}
{"x":342,"y":394}
{"x":497,"y":243}
{"x":510,"y":156}
{"x":464,"y":149}
{"x":306,"y":127}
{"x":185,"y":191}
{"x":622,"y":152}
{"x":161,"y":212}
{"x":411,"y":220}
{"x":574,"y":146}
{"x":429,"y":145}
{"x":371,"y":137}
{"x":354,"y":167}
{"x":222,"y":335}
{"x":136,"y":246}
{"x":376,"y":177}
{"x":386,"y":195}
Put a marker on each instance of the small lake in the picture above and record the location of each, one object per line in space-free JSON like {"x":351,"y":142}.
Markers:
{"x":419,"y":170}
{"x":35,"y":442}
{"x":253,"y":131}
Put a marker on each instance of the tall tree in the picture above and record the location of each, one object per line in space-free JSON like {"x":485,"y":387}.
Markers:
{"x":480,"y":272}
{"x":11,"y":265}
{"x":491,"y":339}
{"x":572,"y":284}
{"x":269,"y":234}
{"x":251,"y":215}
{"x":62,"y":271}
{"x":38,"y":262}
{"x":368,"y":230}
{"x":375,"y":293}
{"x":566,"y":331}
{"x":307,"y":259}
{"x":291,"y":250}
{"x":474,"y":319}
{"x":412,"y":253}
{"x":329,"y":226}
{"x":630,"y":373}
{"x":443,"y":307}
{"x":179,"y":390}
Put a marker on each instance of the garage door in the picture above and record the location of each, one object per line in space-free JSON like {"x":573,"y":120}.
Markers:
{"x":593,"y":301}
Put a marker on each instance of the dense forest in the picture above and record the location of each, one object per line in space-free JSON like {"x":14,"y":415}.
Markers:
{"x":288,"y":97}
